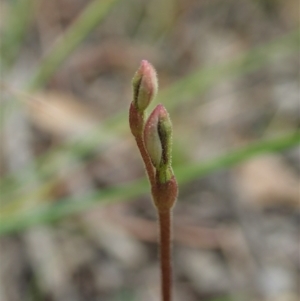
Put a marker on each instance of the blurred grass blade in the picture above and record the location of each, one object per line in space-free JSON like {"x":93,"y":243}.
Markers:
{"x":50,"y":213}
{"x":64,"y":208}
{"x":201,"y":80}
{"x":191,"y":171}
{"x":20,"y":17}
{"x":85,"y":23}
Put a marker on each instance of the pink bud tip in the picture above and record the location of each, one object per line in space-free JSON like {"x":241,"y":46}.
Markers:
{"x":145,"y":85}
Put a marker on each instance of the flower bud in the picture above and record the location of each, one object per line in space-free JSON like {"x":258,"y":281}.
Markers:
{"x":145,"y":86}
{"x":158,"y":142}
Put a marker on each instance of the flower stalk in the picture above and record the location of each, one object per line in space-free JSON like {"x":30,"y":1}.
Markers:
{"x":154,"y":140}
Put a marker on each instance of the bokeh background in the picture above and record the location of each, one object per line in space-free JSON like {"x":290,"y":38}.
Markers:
{"x":77,"y":223}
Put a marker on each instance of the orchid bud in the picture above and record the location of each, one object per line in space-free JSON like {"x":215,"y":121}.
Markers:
{"x":158,"y":142}
{"x":145,"y":86}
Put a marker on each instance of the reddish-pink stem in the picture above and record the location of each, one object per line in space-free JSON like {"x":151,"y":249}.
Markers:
{"x":165,"y":254}
{"x":146,"y":159}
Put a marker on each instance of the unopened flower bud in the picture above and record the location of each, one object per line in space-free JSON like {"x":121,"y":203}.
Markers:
{"x":145,"y":86}
{"x":158,"y":141}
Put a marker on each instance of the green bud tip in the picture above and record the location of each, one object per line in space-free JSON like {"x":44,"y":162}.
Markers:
{"x":145,"y":85}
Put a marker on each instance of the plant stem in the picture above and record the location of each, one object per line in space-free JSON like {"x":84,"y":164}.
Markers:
{"x":146,"y":159}
{"x":165,"y":254}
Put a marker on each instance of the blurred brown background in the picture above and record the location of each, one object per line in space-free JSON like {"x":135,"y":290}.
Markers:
{"x":228,"y":74}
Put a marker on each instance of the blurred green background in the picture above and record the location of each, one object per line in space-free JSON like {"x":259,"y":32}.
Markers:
{"x":76,"y":219}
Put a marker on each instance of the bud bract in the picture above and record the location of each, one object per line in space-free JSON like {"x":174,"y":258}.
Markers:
{"x":145,"y":85}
